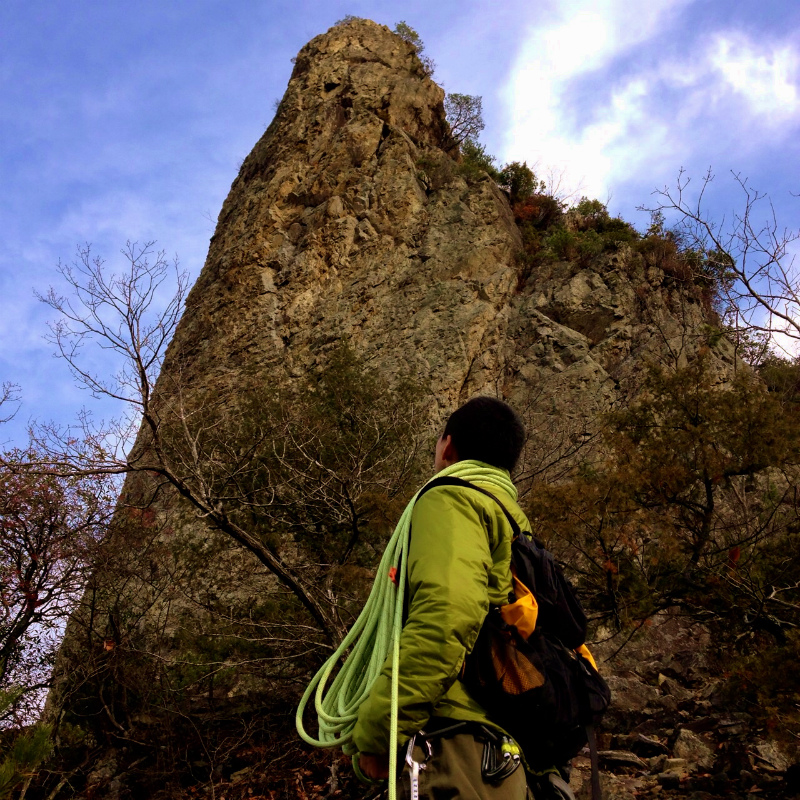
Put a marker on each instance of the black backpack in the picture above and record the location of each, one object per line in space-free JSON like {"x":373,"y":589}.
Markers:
{"x":540,"y":690}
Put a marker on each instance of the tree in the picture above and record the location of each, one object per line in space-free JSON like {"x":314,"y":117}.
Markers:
{"x":695,"y":507}
{"x":750,"y":256}
{"x":465,"y":115}
{"x":50,"y":526}
{"x":476,"y":161}
{"x":256,"y":461}
{"x":9,"y":394}
{"x":180,"y":439}
{"x":520,"y":181}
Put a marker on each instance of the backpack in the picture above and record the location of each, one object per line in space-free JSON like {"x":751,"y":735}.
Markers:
{"x":529,"y":667}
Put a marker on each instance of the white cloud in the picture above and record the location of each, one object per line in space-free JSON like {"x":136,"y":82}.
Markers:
{"x":587,"y":37}
{"x":605,"y":100}
{"x":765,"y":74}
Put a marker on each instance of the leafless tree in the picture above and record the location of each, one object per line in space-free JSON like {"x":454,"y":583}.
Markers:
{"x":253,"y":464}
{"x":750,"y":255}
{"x":9,"y":394}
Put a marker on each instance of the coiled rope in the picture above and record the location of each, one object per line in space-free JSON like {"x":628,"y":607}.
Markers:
{"x":374,"y":633}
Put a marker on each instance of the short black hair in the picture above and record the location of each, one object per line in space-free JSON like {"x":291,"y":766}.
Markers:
{"x":487,"y":429}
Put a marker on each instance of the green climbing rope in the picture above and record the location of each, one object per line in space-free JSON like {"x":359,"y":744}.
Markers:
{"x":374,"y":635}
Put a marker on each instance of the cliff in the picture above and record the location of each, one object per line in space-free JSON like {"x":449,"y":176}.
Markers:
{"x":349,"y":219}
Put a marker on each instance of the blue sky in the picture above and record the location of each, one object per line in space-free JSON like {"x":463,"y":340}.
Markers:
{"x":123,"y":120}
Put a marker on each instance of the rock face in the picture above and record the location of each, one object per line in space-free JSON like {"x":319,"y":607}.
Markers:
{"x":352,"y":219}
{"x":332,"y":228}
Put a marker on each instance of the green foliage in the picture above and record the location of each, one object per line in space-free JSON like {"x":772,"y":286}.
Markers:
{"x":593,"y":210}
{"x":574,"y":246}
{"x":615,"y":231}
{"x":475,"y":161}
{"x":520,"y":181}
{"x":347,"y":18}
{"x":658,"y":223}
{"x":720,"y":265}
{"x":592,"y":215}
{"x":465,"y":115}
{"x":21,"y":751}
{"x":562,"y":243}
{"x":408,"y":34}
{"x":765,"y":681}
{"x":361,"y":439}
{"x":782,"y":377}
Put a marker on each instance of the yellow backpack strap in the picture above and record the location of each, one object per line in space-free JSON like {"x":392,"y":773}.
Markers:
{"x":583,"y":650}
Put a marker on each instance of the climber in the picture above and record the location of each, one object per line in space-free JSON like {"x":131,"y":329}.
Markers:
{"x":458,"y":564}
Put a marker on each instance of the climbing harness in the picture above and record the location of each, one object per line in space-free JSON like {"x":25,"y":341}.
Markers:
{"x":374,"y":635}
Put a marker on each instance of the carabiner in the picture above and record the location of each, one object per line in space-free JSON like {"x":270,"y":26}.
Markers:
{"x":496,"y":769}
{"x":415,"y":766}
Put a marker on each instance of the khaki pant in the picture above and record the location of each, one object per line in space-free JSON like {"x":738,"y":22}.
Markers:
{"x":453,"y":772}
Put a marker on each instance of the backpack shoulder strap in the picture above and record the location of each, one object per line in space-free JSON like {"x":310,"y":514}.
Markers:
{"x":453,"y":481}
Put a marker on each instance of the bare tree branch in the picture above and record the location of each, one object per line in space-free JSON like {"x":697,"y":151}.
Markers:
{"x":750,"y":254}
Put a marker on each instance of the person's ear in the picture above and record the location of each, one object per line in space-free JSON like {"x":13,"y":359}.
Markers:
{"x":449,"y":452}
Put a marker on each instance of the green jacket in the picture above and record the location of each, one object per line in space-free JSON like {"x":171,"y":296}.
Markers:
{"x":459,"y":558}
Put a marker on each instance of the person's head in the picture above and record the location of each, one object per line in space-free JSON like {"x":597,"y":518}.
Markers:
{"x":484,"y":429}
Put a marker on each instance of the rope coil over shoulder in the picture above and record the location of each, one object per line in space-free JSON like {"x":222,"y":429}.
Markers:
{"x":374,"y":635}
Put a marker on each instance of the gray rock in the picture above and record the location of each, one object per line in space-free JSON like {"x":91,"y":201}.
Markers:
{"x":670,"y":779}
{"x":747,"y":779}
{"x":643,"y":746}
{"x":692,"y":748}
{"x":631,"y":694}
{"x":657,"y":763}
{"x":772,"y":754}
{"x":621,"y":759}
{"x":613,"y":787}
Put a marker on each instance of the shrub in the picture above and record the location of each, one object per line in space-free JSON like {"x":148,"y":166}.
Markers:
{"x":590,"y":245}
{"x":694,"y":508}
{"x":475,"y":162}
{"x":593,"y":210}
{"x":563,"y":244}
{"x":616,"y":231}
{"x":574,"y":246}
{"x":21,"y":751}
{"x":346,"y":19}
{"x":408,"y":34}
{"x":540,"y":211}
{"x":782,"y":378}
{"x":766,"y":681}
{"x":520,"y":181}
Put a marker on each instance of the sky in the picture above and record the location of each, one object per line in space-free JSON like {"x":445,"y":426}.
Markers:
{"x":128,"y":121}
